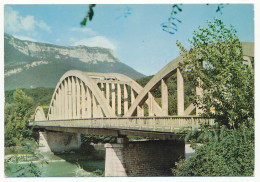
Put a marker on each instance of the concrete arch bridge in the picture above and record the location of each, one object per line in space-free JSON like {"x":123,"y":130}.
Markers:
{"x":113,"y":104}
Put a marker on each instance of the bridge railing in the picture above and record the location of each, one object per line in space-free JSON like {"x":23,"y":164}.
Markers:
{"x":158,"y":124}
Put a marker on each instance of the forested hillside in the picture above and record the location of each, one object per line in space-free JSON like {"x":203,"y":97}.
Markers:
{"x":33,"y":64}
{"x":189,"y":92}
{"x":42,"y":96}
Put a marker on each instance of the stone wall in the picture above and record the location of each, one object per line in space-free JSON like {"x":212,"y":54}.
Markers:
{"x":142,"y":158}
{"x":51,"y":141}
{"x":115,"y":160}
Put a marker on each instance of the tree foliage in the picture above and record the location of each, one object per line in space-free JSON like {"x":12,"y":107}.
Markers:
{"x":16,"y":117}
{"x":224,"y":152}
{"x":89,"y":16}
{"x":41,"y":96}
{"x":14,"y":166}
{"x":216,"y":58}
{"x":215,"y":63}
{"x":19,"y":138}
{"x":189,"y":92}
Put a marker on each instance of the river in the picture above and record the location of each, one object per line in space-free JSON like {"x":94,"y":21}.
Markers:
{"x":68,"y":169}
{"x":62,"y":165}
{"x":77,"y":165}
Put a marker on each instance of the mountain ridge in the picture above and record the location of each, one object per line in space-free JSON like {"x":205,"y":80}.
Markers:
{"x":31,"y":64}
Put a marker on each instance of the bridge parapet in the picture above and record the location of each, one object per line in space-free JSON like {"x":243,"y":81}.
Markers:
{"x":155,"y":124}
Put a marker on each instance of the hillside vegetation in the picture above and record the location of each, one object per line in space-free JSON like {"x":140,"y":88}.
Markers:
{"x":216,"y":58}
{"x":32,"y":64}
{"x":42,"y":96}
{"x":189,"y":92}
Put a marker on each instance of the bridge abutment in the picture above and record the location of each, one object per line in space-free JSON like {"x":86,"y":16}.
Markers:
{"x":142,"y":158}
{"x":52,"y":141}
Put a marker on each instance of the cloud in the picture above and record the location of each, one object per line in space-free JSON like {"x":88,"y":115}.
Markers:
{"x":10,"y":19}
{"x":27,"y":23}
{"x":14,"y":22}
{"x":85,"y":30}
{"x":97,"y":41}
{"x":41,"y":24}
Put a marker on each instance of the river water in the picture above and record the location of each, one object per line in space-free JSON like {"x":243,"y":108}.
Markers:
{"x":62,"y":164}
{"x":77,"y":165}
{"x":68,"y":169}
{"x":65,"y":165}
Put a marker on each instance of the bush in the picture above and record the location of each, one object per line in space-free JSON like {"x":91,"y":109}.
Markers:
{"x":16,"y":119}
{"x":215,"y":63}
{"x":223,"y":153}
{"x":14,"y":166}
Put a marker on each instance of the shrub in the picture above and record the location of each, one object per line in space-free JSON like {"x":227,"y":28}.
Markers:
{"x":224,"y":152}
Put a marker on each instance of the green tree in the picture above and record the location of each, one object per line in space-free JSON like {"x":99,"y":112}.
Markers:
{"x":225,"y":152}
{"x":16,"y":117}
{"x":216,"y":58}
{"x":19,"y":138}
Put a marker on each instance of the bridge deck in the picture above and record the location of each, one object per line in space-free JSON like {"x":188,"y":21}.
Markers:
{"x":170,"y":124}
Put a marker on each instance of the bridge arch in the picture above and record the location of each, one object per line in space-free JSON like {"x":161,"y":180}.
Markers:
{"x":81,"y":94}
{"x":158,"y":79}
{"x":161,"y":77}
{"x":72,"y":88}
{"x":39,"y":114}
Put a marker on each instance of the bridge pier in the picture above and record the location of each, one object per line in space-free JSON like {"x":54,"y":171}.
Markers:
{"x":142,"y":158}
{"x":53,"y":141}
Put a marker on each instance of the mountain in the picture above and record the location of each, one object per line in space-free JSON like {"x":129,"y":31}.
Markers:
{"x":32,"y":64}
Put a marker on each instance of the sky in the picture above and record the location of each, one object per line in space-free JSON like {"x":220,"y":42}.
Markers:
{"x":133,"y":32}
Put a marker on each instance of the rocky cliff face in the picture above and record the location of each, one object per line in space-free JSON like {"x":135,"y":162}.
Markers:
{"x":32,"y":64}
{"x":43,"y":51}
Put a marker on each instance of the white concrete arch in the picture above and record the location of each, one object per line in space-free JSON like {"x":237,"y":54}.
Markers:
{"x":163,"y":74}
{"x":69,"y":82}
{"x":39,"y":114}
{"x":166,"y":72}
{"x":134,"y":86}
{"x":74,"y":77}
